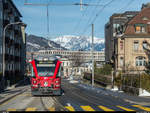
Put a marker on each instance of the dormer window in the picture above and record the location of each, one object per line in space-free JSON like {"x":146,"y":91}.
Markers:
{"x":140,"y":28}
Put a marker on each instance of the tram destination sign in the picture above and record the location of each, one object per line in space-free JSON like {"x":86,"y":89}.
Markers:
{"x":45,"y":65}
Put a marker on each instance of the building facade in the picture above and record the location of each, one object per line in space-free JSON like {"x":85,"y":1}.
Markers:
{"x":114,"y":27}
{"x":129,"y":53}
{"x":86,"y":56}
{"x":15,"y":42}
{"x":73,"y":62}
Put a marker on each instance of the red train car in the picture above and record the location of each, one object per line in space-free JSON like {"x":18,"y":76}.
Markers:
{"x":46,"y":76}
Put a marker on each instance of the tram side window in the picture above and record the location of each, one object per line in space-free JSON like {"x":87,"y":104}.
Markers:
{"x":59,"y":72}
{"x":33,"y":74}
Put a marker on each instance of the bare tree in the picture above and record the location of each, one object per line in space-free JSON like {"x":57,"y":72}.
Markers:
{"x":77,"y":59}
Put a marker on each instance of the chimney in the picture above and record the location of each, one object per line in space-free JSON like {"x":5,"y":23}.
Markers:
{"x":145,"y":5}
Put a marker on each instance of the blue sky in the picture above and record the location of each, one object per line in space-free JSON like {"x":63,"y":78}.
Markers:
{"x":70,"y":20}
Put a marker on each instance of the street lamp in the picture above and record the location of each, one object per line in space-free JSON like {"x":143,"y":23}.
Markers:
{"x":16,"y":23}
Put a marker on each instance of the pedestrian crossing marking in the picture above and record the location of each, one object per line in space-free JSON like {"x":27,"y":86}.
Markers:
{"x":70,"y":108}
{"x":141,"y":107}
{"x":87,"y":108}
{"x":30,"y":109}
{"x":126,"y":109}
{"x":51,"y":109}
{"x":11,"y":109}
{"x":105,"y":108}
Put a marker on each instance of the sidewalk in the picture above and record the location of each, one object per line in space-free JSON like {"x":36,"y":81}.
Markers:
{"x":130,"y":98}
{"x":11,"y":92}
{"x":118,"y":94}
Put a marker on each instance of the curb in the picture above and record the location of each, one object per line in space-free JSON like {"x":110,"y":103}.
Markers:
{"x":6,"y":99}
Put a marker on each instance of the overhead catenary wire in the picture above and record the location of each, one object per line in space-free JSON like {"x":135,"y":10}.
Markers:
{"x":79,"y":22}
{"x":90,"y":18}
{"x":96,"y":16}
{"x":121,"y":9}
{"x":93,"y":11}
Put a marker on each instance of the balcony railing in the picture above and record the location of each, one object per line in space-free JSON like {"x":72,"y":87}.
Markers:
{"x":5,"y":6}
{"x":17,"y":45}
{"x":10,"y":12}
{"x":6,"y":22}
{"x":7,"y":39}
{"x":16,"y":19}
{"x":10,"y":28}
{"x":6,"y":56}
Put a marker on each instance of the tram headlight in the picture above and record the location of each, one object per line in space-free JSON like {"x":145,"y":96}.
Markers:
{"x":56,"y":81}
{"x":34,"y":81}
{"x":57,"y":85}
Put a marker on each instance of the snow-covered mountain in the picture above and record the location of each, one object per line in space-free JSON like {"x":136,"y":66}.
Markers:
{"x":72,"y":42}
{"x":36,"y":43}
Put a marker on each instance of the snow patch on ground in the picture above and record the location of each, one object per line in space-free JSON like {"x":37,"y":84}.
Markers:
{"x":114,"y":89}
{"x":144,"y":93}
{"x":73,"y":81}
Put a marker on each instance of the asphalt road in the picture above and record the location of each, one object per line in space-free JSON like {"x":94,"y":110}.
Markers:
{"x":74,"y":98}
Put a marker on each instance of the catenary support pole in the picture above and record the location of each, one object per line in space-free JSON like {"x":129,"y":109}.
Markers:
{"x":92,"y":55}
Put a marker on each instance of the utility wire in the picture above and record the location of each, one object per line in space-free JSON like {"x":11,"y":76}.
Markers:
{"x":86,"y":28}
{"x":92,"y":12}
{"x":126,"y":6}
{"x":79,"y":22}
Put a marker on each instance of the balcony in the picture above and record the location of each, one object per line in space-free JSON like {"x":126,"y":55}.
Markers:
{"x":11,"y":57}
{"x":11,"y":41}
{"x":16,"y":19}
{"x":5,"y":6}
{"x":17,"y":45}
{"x":16,"y":32}
{"x":17,"y":72}
{"x":6,"y":56}
{"x":17,"y":59}
{"x":10,"y":12}
{"x":10,"y":28}
{"x":6,"y":22}
{"x":7,"y":39}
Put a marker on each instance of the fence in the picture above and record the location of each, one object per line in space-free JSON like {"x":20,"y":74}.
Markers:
{"x":100,"y":79}
{"x":131,"y":83}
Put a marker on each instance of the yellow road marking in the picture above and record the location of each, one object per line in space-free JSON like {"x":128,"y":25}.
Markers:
{"x":51,"y":109}
{"x":126,"y":109}
{"x":30,"y":109}
{"x":11,"y":109}
{"x":141,"y":107}
{"x":70,"y":108}
{"x":87,"y":108}
{"x":105,"y":108}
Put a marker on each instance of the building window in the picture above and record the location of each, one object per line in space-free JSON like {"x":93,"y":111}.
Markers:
{"x":136,"y":45}
{"x":140,"y":61}
{"x":140,"y":28}
{"x":121,"y":61}
{"x":121,"y":45}
{"x":144,"y":44}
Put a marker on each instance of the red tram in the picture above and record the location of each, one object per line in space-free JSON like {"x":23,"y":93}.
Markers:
{"x":46,"y":76}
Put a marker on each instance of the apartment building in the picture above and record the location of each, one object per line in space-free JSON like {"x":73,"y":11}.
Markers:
{"x":129,"y":53}
{"x":114,"y":27}
{"x":15,"y":41}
